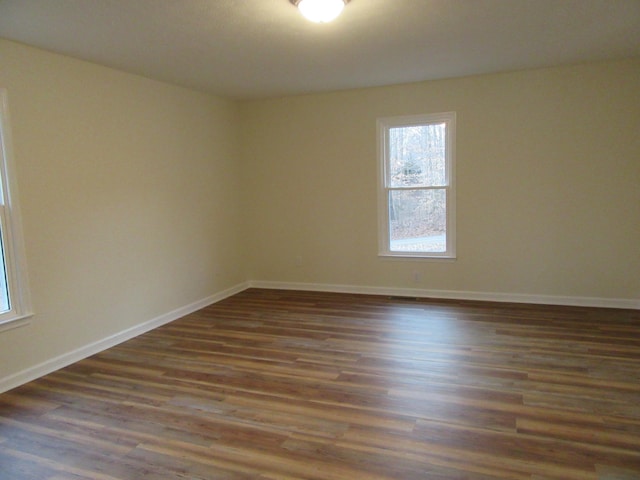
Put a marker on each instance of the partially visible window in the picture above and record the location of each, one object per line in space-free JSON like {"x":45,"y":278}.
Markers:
{"x":14,"y":293}
{"x":416,"y":186}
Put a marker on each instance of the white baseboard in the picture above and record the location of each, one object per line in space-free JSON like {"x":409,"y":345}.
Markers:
{"x":455,"y":294}
{"x":66,"y":359}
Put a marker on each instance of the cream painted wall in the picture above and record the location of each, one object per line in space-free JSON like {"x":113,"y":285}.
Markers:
{"x":139,"y":198}
{"x":129,"y":197}
{"x":548,"y":192}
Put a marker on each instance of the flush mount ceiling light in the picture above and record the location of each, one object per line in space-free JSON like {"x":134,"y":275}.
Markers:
{"x":320,"y":11}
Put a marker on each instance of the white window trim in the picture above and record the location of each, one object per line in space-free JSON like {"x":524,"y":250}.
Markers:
{"x":15,"y":258}
{"x":383,"y":126}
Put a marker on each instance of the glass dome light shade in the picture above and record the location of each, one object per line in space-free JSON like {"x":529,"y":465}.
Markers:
{"x":321,"y":11}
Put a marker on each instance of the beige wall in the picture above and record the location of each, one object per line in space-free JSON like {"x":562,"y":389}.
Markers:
{"x":139,"y":198}
{"x":548,"y":192}
{"x":129,"y":198}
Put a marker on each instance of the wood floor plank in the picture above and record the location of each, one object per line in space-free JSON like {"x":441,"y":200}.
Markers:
{"x":283,"y":385}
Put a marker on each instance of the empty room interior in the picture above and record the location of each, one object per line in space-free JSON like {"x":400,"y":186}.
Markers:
{"x":238,"y":243}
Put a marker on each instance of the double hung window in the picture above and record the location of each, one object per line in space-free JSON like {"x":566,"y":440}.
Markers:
{"x":417,"y":186}
{"x":14,"y":294}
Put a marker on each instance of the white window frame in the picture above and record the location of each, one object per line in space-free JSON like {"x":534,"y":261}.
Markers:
{"x":384,"y":190}
{"x":11,"y":227}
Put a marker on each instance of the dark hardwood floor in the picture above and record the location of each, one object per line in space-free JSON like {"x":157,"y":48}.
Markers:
{"x":298,"y":385}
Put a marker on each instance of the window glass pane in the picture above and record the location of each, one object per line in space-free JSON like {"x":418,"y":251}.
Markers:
{"x":418,"y":220}
{"x":417,"y":156}
{"x":4,"y":291}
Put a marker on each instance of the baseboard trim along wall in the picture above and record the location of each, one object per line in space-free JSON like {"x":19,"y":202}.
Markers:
{"x":633,"y":304}
{"x":66,"y":359}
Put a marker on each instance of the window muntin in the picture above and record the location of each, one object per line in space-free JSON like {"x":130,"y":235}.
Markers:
{"x":416,"y":195}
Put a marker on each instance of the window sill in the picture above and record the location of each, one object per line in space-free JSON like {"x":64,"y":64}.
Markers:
{"x":19,"y":321}
{"x":404,"y":257}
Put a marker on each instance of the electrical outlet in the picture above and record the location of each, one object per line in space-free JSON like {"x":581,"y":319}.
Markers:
{"x":417,"y":277}
{"x":298,"y":260}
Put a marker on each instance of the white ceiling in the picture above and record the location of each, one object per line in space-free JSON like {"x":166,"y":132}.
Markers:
{"x":264,"y":48}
